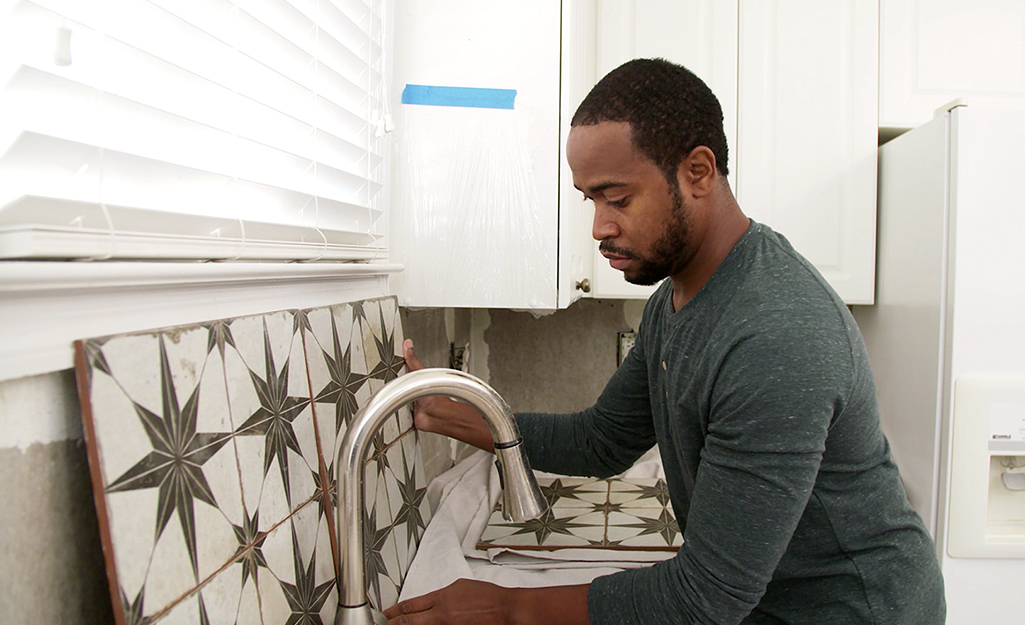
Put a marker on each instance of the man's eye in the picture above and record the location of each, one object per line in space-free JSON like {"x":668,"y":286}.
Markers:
{"x":620,"y":203}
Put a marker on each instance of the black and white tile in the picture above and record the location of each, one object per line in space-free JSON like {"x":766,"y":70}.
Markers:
{"x":170,"y":478}
{"x":624,"y":514}
{"x":213,"y":449}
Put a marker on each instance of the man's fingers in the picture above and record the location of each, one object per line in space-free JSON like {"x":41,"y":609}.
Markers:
{"x":410,"y":606}
{"x":412,"y":362}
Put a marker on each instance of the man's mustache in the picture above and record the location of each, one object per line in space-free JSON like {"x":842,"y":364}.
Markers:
{"x":608,"y":247}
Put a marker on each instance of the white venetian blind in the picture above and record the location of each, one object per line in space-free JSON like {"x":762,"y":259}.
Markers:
{"x":191,"y":129}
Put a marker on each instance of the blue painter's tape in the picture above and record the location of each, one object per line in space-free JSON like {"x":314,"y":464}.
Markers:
{"x":472,"y":97}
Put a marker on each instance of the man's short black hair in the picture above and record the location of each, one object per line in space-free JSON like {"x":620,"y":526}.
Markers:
{"x":670,"y":110}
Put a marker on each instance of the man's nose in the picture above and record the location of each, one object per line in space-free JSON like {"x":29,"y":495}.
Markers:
{"x":603,"y":227}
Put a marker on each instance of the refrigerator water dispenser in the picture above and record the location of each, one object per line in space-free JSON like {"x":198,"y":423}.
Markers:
{"x":987,"y":470}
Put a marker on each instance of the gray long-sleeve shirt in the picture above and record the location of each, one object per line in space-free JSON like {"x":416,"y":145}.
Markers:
{"x":759,"y":394}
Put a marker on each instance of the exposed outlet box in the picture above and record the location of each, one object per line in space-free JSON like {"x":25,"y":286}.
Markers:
{"x":458,"y":357}
{"x":626,"y":342}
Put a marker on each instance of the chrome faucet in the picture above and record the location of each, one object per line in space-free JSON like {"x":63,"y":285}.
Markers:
{"x":521,"y":497}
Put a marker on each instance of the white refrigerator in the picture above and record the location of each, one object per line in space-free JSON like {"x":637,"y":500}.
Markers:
{"x":946,"y":338}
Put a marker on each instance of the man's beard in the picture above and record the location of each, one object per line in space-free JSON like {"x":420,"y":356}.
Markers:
{"x":670,"y":253}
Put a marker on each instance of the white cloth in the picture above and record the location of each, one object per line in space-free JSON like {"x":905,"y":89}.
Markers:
{"x":463,"y":498}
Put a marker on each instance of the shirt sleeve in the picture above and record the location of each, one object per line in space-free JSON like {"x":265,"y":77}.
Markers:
{"x":771,"y":401}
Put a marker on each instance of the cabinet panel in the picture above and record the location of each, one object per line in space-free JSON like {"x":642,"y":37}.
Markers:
{"x":579,"y":73}
{"x":934,"y":51}
{"x":475,"y":190}
{"x":701,"y":35}
{"x":807,"y":134}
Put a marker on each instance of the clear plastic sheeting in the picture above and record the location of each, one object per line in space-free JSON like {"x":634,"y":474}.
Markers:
{"x":469,"y":223}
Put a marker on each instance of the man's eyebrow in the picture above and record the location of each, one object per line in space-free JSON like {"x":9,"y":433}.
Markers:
{"x":599,"y":188}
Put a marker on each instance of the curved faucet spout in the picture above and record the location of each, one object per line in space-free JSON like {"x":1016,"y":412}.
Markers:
{"x":522,"y":499}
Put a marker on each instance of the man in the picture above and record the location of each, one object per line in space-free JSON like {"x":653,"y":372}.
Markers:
{"x":749,"y":373}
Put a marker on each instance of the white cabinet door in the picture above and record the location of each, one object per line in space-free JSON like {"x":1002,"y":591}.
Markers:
{"x":807,"y":131}
{"x":485,"y":213}
{"x":701,"y":35}
{"x":475,"y":189}
{"x":935,"y":51}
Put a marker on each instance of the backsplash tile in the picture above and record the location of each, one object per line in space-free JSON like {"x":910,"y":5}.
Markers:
{"x":212,"y":446}
{"x":380,"y":553}
{"x":269,"y":402}
{"x":170,"y":477}
{"x":298,"y":582}
{"x":618,"y":513}
{"x":410,"y":510}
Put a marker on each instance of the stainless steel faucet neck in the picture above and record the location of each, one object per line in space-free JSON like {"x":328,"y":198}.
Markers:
{"x":522,"y":497}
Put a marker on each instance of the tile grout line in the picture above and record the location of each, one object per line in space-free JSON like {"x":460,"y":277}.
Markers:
{"x":325,"y":477}
{"x":222,"y":351}
{"x":388,"y":446}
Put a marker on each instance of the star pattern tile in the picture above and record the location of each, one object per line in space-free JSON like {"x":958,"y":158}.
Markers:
{"x":659,"y":523}
{"x":575,"y":492}
{"x":133,"y":609}
{"x":175,"y":465}
{"x":159,"y":445}
{"x":273,"y":420}
{"x":408,"y":509}
{"x":219,"y":438}
{"x":250,"y":548}
{"x":545,"y":529}
{"x":94,"y":356}
{"x":344,"y":382}
{"x":388,"y":362}
{"x":272,"y":416}
{"x":587,"y":513}
{"x":375,"y":540}
{"x":306,"y":598}
{"x":219,"y":335}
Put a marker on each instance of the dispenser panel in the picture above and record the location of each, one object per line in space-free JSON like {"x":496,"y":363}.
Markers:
{"x":987,"y":470}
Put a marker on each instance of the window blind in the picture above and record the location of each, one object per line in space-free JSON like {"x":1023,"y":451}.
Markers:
{"x":192,"y":130}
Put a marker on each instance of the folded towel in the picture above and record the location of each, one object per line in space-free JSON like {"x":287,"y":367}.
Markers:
{"x":463,"y":499}
{"x":575,"y":558}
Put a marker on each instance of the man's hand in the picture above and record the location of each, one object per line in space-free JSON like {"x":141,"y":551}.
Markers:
{"x":464,"y":601}
{"x":427,"y":411}
{"x":470,"y":602}
{"x":446,"y":416}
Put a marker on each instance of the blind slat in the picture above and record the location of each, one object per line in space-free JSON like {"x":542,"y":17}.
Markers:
{"x":253,"y":115}
{"x":160,"y":55}
{"x":84,"y":115}
{"x":153,"y":235}
{"x":41,"y":165}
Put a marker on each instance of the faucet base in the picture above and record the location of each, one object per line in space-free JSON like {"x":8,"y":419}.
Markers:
{"x":359,"y":615}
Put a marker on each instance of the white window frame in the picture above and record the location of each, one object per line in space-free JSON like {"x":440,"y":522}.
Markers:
{"x":44,"y":307}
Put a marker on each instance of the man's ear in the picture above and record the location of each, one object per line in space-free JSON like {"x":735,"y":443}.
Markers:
{"x":697,"y":171}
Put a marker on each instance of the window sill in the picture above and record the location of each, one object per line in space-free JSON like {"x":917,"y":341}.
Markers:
{"x":46,"y":306}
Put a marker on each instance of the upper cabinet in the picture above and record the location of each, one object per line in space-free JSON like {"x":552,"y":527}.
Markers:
{"x":935,"y":51}
{"x":798,"y":84}
{"x":807,"y":132}
{"x":484,"y":210}
{"x":474,"y":190}
{"x":484,"y":213}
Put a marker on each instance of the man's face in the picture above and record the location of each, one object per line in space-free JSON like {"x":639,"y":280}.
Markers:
{"x":640,"y":219}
